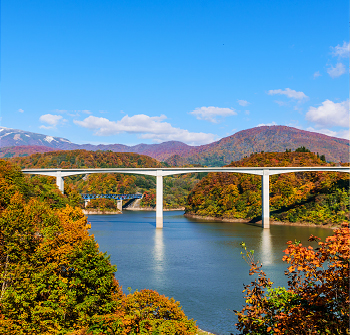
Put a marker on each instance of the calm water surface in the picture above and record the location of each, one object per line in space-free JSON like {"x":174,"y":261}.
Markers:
{"x":196,"y":262}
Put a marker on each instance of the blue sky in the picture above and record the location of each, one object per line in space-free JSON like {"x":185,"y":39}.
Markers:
{"x":98,"y":71}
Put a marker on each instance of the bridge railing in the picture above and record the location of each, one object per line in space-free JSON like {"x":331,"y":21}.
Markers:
{"x":159,"y":173}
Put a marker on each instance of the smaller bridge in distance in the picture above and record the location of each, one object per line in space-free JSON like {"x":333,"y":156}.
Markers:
{"x":119,"y":197}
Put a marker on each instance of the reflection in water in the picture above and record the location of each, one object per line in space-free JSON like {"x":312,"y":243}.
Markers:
{"x":266,"y":247}
{"x":158,"y":256}
{"x":196,"y":262}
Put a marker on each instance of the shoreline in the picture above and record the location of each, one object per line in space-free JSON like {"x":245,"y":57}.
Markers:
{"x":89,"y":212}
{"x":212,"y":218}
{"x":153,"y":209}
{"x":259,"y":223}
{"x":150,"y":209}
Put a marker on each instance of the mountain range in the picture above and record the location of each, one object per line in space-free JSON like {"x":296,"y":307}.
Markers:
{"x":15,"y":142}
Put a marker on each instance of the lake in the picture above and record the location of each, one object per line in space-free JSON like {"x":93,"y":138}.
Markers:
{"x":195,"y":261}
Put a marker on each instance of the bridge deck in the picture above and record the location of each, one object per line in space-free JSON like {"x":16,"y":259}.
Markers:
{"x":159,"y":173}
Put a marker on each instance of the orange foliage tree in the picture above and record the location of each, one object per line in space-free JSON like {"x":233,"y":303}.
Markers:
{"x":317,"y":197}
{"x":317,"y":298}
{"x":147,"y":312}
{"x":54,"y":279}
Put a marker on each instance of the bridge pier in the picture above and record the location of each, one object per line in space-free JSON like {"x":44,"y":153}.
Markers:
{"x":60,"y":181}
{"x":265,"y":172}
{"x":265,"y":195}
{"x":120,"y":205}
{"x":159,"y":199}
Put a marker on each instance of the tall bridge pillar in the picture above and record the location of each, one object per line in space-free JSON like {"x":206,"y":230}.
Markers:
{"x":60,"y":181}
{"x":120,"y":205}
{"x":159,"y":200}
{"x":265,"y":193}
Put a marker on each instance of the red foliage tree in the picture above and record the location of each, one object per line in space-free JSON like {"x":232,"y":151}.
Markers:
{"x":317,"y":298}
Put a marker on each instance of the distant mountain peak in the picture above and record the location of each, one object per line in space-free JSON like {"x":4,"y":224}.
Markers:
{"x":15,"y":137}
{"x":219,"y":153}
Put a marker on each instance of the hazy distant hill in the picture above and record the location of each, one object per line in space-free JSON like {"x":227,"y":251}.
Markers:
{"x":219,"y":153}
{"x":11,"y":139}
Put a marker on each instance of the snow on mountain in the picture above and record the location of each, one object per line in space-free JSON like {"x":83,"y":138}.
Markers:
{"x":16,"y":137}
{"x":49,"y":139}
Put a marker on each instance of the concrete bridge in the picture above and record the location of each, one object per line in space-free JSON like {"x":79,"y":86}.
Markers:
{"x":159,"y":173}
{"x":119,"y":197}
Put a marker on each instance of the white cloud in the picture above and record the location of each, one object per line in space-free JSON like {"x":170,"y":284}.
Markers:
{"x":72,"y":112}
{"x":289,"y":93}
{"x":345,"y":133}
{"x":323,"y":131}
{"x":317,"y":74}
{"x":46,"y":127}
{"x":243,"y":103}
{"x":341,"y":133}
{"x":273,"y":123}
{"x":247,"y":112}
{"x":51,"y":120}
{"x":341,"y":50}
{"x":281,"y":103}
{"x":336,"y":71}
{"x":149,"y":127}
{"x":211,"y":113}
{"x":295,"y":124}
{"x":330,"y":114}
{"x":21,"y":110}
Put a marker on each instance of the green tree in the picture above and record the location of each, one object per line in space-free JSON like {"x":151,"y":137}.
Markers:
{"x":53,"y":275}
{"x":302,"y":149}
{"x":54,"y":279}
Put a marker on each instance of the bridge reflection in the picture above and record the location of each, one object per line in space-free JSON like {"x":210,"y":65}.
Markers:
{"x":266,"y":247}
{"x":158,"y":256}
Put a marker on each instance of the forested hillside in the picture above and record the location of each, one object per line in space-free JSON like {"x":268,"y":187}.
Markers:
{"x":23,"y":150}
{"x":54,"y":279}
{"x":219,"y":153}
{"x":176,"y":188}
{"x":265,"y":138}
{"x":317,"y":197}
{"x":72,"y":159}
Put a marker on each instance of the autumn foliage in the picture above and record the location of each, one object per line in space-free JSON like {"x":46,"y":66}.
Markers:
{"x":316,"y":197}
{"x":176,"y":188}
{"x":317,"y":298}
{"x":54,"y":279}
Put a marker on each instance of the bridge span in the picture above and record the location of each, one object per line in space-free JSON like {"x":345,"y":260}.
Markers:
{"x":159,"y":173}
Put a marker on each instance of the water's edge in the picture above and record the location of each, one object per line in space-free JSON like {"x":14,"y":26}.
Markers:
{"x":258,"y":223}
{"x":147,"y":209}
{"x":196,"y":261}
